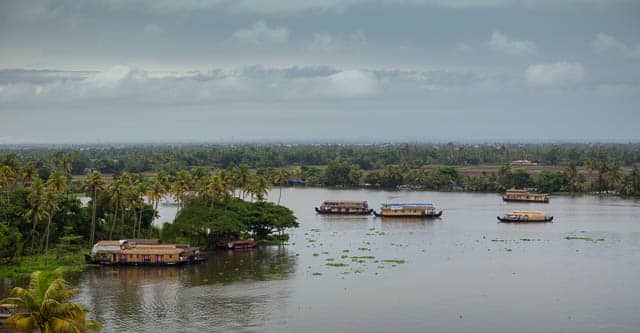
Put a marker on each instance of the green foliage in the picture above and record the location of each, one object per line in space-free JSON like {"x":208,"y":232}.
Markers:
{"x":45,"y":306}
{"x":203,"y":224}
{"x":549,"y":181}
{"x":10,"y":242}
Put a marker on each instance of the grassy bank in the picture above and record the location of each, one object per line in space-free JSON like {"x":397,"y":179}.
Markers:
{"x":23,"y":266}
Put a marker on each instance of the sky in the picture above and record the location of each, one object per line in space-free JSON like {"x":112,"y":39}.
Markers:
{"x":309,"y":70}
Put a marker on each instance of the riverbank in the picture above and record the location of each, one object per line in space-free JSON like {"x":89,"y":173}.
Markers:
{"x":22,"y":267}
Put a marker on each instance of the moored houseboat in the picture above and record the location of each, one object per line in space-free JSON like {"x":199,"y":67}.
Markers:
{"x":524,"y":196}
{"x":525,"y":216}
{"x":143,"y":252}
{"x":416,"y":210}
{"x":344,"y":207}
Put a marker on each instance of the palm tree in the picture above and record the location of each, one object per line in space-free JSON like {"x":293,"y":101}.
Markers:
{"x":65,"y":164}
{"x":115,"y":191}
{"x":281,"y":178}
{"x":45,"y":306}
{"x":156,"y":192}
{"x":242,"y":178}
{"x":93,"y":183}
{"x":29,"y":174}
{"x":36,"y":209}
{"x":58,"y":182}
{"x":262,"y":186}
{"x":181,"y":186}
{"x":50,"y":206}
{"x":7,"y":179}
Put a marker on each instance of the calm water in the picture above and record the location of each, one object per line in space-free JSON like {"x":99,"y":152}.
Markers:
{"x":463,"y":272}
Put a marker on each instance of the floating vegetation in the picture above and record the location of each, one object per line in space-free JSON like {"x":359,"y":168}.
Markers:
{"x":316,"y":274}
{"x":311,"y":240}
{"x":336,"y":264}
{"x":345,"y":251}
{"x":330,"y":259}
{"x":589,"y":239}
{"x":395,"y":261}
{"x":316,"y":254}
{"x":498,"y":240}
{"x":364,"y":249}
{"x":344,"y":256}
{"x":508,"y":249}
{"x":325,"y":252}
{"x":315,"y":230}
{"x":362,"y":257}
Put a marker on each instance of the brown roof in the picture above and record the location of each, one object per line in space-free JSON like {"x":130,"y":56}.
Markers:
{"x":108,"y":243}
{"x":152,"y":251}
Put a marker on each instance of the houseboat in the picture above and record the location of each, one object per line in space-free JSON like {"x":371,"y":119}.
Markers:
{"x":524,"y":196}
{"x":143,"y":252}
{"x":415,"y":210}
{"x":525,"y":216}
{"x":344,"y":207}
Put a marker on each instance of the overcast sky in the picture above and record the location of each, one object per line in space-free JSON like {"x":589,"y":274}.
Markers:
{"x":366,"y":70}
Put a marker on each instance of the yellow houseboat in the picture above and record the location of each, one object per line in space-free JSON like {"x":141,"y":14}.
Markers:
{"x":525,"y":216}
{"x":344,"y":207}
{"x":417,"y":210}
{"x":524,"y":196}
{"x":143,"y":252}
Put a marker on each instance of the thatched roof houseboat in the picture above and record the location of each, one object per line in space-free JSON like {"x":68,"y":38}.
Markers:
{"x":525,"y":216}
{"x":344,"y":207}
{"x":143,"y":252}
{"x":416,"y":210}
{"x":525,"y":196}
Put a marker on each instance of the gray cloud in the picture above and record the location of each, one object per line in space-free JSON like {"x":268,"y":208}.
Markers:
{"x":555,"y":74}
{"x":608,"y":44}
{"x":261,"y":33}
{"x":502,"y":43}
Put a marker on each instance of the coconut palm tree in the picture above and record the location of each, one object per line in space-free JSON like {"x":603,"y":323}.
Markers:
{"x":281,"y":178}
{"x":242,"y":178}
{"x":115,"y":191}
{"x":45,"y":306}
{"x":29,"y":174}
{"x":156,"y":192}
{"x":261,"y":187}
{"x":58,"y":182}
{"x":50,"y":204}
{"x":181,"y":186}
{"x":36,"y":211}
{"x":93,"y":184}
{"x":65,"y":164}
{"x":7,"y":180}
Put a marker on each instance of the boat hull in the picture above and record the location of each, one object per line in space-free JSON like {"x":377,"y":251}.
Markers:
{"x":524,"y":200}
{"x":328,"y":212}
{"x":506,"y":220}
{"x":190,"y":261}
{"x":414,"y":216}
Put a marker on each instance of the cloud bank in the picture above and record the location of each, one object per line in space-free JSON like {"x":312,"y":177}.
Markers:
{"x":555,"y":74}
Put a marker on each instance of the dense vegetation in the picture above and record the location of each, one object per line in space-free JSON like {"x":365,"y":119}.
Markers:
{"x":39,"y":214}
{"x":171,"y":158}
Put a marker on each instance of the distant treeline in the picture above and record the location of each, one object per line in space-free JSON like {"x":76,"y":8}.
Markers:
{"x":170,"y":158}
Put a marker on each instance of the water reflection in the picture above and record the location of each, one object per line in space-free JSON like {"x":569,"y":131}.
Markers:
{"x":224,"y":292}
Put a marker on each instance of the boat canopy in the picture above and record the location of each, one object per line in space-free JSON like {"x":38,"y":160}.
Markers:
{"x":406,"y":204}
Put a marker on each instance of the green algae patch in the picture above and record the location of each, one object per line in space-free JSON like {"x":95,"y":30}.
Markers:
{"x":588,"y":239}
{"x":395,"y":261}
{"x":336,"y":264}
